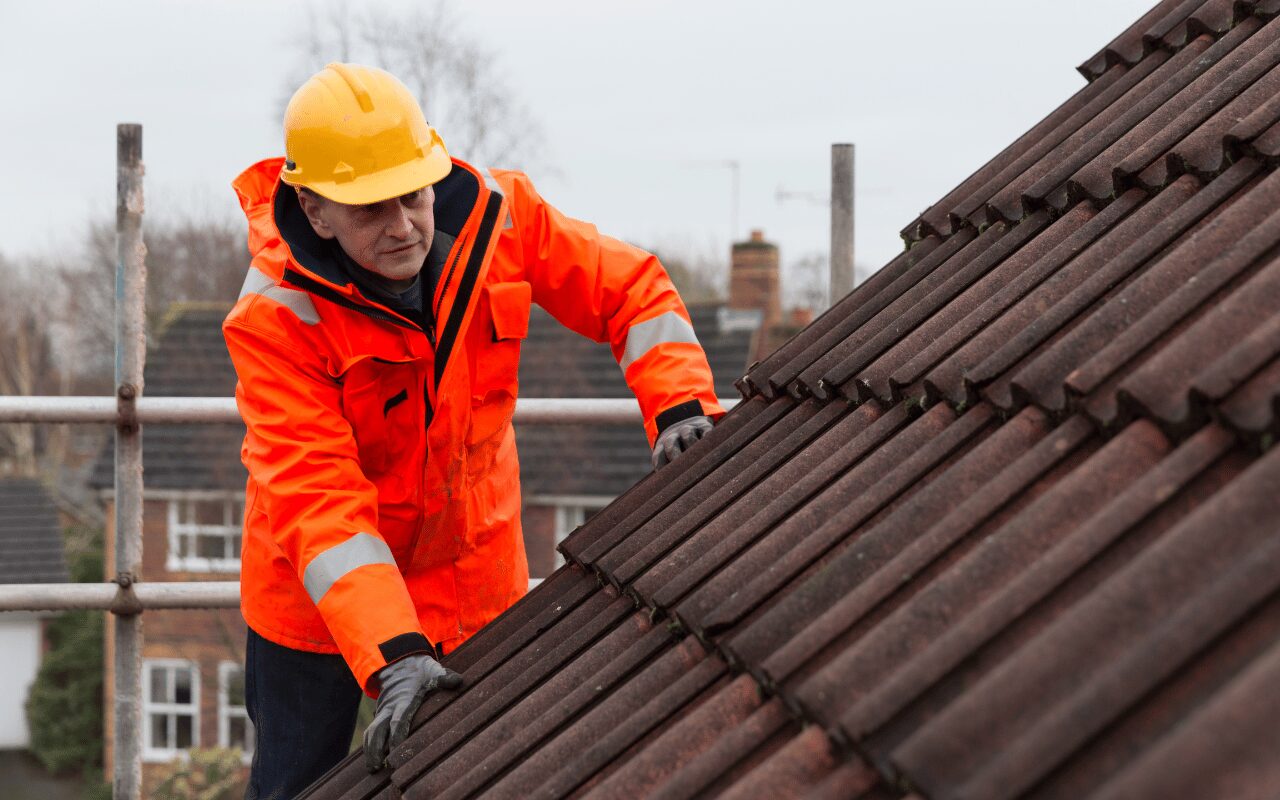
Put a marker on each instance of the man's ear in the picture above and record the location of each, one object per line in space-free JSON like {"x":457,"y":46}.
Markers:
{"x":312,"y":206}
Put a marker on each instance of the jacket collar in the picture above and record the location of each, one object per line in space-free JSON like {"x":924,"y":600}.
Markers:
{"x":466,"y":210}
{"x":276,"y":220}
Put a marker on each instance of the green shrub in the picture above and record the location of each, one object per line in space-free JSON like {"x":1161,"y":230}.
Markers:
{"x":64,"y":707}
{"x":209,"y":773}
{"x":96,"y":789}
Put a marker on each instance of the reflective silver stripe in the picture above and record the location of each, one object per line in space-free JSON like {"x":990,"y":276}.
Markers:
{"x":327,"y":568}
{"x":257,"y":282}
{"x":668,"y":328}
{"x":492,"y":182}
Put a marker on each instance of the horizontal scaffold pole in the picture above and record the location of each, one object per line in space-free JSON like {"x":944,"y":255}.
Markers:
{"x":185,"y":410}
{"x":110,"y":597}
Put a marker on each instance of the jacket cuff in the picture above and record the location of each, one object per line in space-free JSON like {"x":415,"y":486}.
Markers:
{"x":678,"y":413}
{"x":407,"y":644}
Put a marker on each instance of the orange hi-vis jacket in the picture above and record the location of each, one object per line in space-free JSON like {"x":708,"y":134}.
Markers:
{"x":382,"y":512}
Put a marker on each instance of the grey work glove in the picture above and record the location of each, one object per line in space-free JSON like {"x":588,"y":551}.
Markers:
{"x":405,"y":684}
{"x":678,"y":438}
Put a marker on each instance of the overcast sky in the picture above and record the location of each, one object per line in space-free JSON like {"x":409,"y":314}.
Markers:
{"x":641,"y":105}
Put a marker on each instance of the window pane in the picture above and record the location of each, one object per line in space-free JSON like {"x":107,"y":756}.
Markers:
{"x":159,"y":731}
{"x":238,"y":733}
{"x":183,"y":739}
{"x":210,"y":512}
{"x":208,"y":546}
{"x":235,"y":545}
{"x":182,"y":685}
{"x":159,"y":692}
{"x":235,"y":688}
{"x":186,"y":512}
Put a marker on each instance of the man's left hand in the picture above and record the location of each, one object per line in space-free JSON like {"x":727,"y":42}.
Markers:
{"x":678,"y":438}
{"x":405,"y":684}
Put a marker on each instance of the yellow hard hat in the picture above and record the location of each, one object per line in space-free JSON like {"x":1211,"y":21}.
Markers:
{"x":357,"y":135}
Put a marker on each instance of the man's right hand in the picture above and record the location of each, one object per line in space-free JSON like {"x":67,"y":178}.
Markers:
{"x":405,"y":684}
{"x":678,"y":438}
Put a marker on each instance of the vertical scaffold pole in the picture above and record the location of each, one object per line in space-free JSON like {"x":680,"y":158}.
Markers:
{"x":131,"y":348}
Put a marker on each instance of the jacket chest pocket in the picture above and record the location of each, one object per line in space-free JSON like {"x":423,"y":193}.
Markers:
{"x":502,"y":324}
{"x":383,"y":401}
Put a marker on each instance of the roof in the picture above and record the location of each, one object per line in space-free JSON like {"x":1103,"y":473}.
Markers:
{"x":1000,"y":523}
{"x":604,"y":460}
{"x":30,"y":535}
{"x":190,"y":359}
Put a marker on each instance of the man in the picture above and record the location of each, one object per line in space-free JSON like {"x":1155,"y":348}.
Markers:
{"x":376,"y":342}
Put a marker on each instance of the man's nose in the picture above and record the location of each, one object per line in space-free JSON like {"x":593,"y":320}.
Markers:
{"x":398,"y":223}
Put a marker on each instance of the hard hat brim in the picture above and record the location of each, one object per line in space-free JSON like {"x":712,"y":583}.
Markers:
{"x":383,"y":185}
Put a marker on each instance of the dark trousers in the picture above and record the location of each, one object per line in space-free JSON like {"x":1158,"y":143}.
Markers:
{"x":303,"y":707}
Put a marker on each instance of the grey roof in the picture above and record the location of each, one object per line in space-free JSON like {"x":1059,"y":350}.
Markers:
{"x":30,"y":536}
{"x":604,"y":460}
{"x":190,"y":359}
{"x":556,"y":362}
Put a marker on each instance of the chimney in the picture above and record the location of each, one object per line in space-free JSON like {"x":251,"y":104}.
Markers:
{"x":753,"y":279}
{"x":801,"y":317}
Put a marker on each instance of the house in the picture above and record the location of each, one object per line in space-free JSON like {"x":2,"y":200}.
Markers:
{"x":1001,"y":523}
{"x":193,"y":693}
{"x":30,"y":552}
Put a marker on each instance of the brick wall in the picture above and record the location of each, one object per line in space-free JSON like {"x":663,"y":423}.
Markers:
{"x":207,"y":638}
{"x":539,"y":523}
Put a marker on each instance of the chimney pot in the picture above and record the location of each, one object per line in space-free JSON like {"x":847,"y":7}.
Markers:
{"x":757,"y":235}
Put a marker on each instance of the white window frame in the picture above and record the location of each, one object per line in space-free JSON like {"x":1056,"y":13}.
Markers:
{"x":232,"y":527}
{"x":571,"y":512}
{"x":150,"y":707}
{"x":226,"y":711}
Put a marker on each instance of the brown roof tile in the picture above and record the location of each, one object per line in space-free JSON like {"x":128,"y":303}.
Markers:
{"x":1108,"y":650}
{"x":1130,"y":46}
{"x":780,"y":368}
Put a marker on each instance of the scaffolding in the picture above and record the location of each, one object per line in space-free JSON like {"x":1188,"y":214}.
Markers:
{"x":126,"y":596}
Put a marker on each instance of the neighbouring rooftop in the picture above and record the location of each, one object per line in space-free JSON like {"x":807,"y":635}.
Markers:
{"x":31,"y":548}
{"x":1001,"y":523}
{"x":604,"y":460}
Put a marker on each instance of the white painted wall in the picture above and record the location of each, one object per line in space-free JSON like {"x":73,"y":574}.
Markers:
{"x":19,"y":659}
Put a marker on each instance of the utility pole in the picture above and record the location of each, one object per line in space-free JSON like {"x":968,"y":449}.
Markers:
{"x":842,"y":175}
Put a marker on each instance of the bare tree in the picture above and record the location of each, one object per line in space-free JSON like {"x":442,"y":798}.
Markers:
{"x":698,"y":275}
{"x":191,"y":258}
{"x":455,"y":78}
{"x":804,"y":282}
{"x":27,"y":362}
{"x":807,"y":279}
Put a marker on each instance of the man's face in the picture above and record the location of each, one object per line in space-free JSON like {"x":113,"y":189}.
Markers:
{"x":390,"y":238}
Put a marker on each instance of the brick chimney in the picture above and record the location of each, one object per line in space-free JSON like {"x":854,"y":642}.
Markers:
{"x":753,"y":278}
